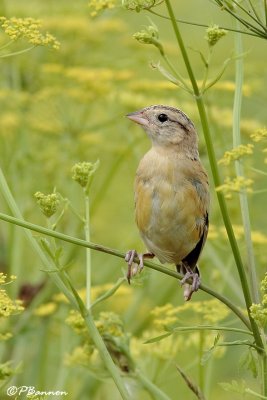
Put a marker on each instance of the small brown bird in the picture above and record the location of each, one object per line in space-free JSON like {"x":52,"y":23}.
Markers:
{"x":171,"y":194}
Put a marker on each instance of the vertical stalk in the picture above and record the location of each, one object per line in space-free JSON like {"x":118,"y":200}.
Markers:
{"x":216,"y":176}
{"x":88,"y":250}
{"x":239,"y":72}
{"x":201,"y":378}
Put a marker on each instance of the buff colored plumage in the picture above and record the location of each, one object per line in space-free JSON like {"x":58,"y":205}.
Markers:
{"x":171,"y":193}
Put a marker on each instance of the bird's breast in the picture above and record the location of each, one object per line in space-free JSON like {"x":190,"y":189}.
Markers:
{"x":168,"y":207}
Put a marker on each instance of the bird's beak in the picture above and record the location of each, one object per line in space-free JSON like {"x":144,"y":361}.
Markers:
{"x":138,"y":117}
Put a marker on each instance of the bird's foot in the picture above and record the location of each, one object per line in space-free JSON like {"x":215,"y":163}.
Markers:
{"x":133,"y":267}
{"x":193,"y":286}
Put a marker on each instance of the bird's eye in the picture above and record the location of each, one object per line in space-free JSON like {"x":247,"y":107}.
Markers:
{"x":162,"y":117}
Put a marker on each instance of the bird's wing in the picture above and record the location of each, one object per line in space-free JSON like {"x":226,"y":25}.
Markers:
{"x":192,"y":258}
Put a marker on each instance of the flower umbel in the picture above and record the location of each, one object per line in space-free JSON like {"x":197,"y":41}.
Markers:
{"x":235,"y":185}
{"x":7,"y":305}
{"x":214,"y":34}
{"x":236,"y":153}
{"x":28,"y":29}
{"x":138,"y":5}
{"x":83,"y":171}
{"x":259,"y":311}
{"x":48,"y":203}
{"x":259,"y":135}
{"x":97,"y":6}
{"x":149,"y":35}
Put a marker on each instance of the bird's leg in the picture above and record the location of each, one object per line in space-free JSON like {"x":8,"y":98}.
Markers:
{"x":189,"y":288}
{"x":129,"y":258}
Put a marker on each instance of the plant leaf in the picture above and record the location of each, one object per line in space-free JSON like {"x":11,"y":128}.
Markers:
{"x":167,"y":75}
{"x":234,"y":386}
{"x":207,"y":354}
{"x":192,"y":386}
{"x":158,"y":338}
{"x":249,"y":361}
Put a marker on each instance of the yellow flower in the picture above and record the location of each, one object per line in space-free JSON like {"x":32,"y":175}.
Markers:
{"x":28,"y":29}
{"x":214,"y":34}
{"x":45,"y":309}
{"x":7,"y":305}
{"x":259,"y":135}
{"x":237,"y":184}
{"x":48,"y":203}
{"x":236,"y":153}
{"x":98,"y":6}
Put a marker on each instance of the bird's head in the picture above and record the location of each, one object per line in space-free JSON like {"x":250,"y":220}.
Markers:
{"x":166,"y":126}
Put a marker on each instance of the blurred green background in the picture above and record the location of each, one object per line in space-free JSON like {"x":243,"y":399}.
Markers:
{"x":61,"y":107}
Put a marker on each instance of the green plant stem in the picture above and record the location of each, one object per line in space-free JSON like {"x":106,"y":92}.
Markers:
{"x":201,"y":25}
{"x":155,"y":392}
{"x":251,"y":265}
{"x":201,"y":376}
{"x":216,"y":176}
{"x":104,"y":354}
{"x":264,"y":374}
{"x":16,"y":53}
{"x":103,"y":249}
{"x":88,"y":251}
{"x":211,"y":328}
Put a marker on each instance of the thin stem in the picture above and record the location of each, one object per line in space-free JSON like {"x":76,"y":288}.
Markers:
{"x":109,"y":293}
{"x":182,"y":48}
{"x":98,"y":247}
{"x":254,"y":10}
{"x":16,"y":53}
{"x":249,"y":14}
{"x":150,"y":387}
{"x":247,"y":24}
{"x":104,"y":354}
{"x":216,"y":177}
{"x":211,"y":328}
{"x":88,"y":251}
{"x":6,"y":44}
{"x":179,"y":76}
{"x":202,"y":25}
{"x":251,"y":265}
{"x":201,"y":377}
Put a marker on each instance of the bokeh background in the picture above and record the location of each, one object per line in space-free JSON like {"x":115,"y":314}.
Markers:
{"x":61,"y":107}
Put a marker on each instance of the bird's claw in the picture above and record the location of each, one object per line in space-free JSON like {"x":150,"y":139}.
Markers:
{"x":133,"y":267}
{"x":190,"y":288}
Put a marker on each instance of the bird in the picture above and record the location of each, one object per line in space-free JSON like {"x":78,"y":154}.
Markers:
{"x":171,"y":195}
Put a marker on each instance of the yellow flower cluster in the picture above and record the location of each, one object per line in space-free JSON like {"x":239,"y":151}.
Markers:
{"x":236,"y":153}
{"x":45,"y":309}
{"x":81,"y":355}
{"x":219,"y":232}
{"x":98,"y":6}
{"x":28,"y":29}
{"x":259,"y":135}
{"x":138,"y":5}
{"x":214,"y":34}
{"x":259,"y":311}
{"x":235,"y":185}
{"x":7,"y":306}
{"x":110,"y":324}
{"x":48,"y":203}
{"x":82,"y":172}
{"x":207,"y":312}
